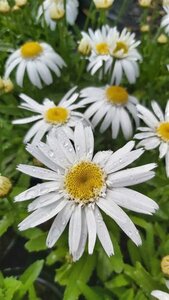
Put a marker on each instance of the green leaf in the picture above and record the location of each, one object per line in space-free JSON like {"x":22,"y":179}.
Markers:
{"x":29,"y":276}
{"x":11,"y":285}
{"x":56,"y":255}
{"x":88,"y":292}
{"x":6,"y":222}
{"x":80,"y":270}
{"x":37,"y":243}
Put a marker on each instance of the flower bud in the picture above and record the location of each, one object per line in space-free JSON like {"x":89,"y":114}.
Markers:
{"x":145,"y":3}
{"x":84,"y":46}
{"x":103,"y":3}
{"x":145,"y":28}
{"x":165,"y":265}
{"x":57,"y":12}
{"x":8,"y":85}
{"x":20,"y":3}
{"x":4,"y":6}
{"x":5,"y":186}
{"x":162,"y":39}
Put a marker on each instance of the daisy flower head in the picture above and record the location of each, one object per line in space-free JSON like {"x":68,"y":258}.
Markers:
{"x":156,"y":134}
{"x":161,"y":295}
{"x":165,"y":20}
{"x":48,"y":115}
{"x":54,"y":10}
{"x":103,"y":3}
{"x":111,"y":105}
{"x":126,"y":57}
{"x":114,"y":53}
{"x":39,"y":60}
{"x":79,"y":185}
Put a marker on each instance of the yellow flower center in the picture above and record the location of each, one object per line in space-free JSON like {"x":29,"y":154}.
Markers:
{"x":102,"y":48}
{"x":56,"y":115}
{"x":120,"y":46}
{"x":163,"y":131}
{"x":31,"y":49}
{"x":117,"y":95}
{"x":84,"y":182}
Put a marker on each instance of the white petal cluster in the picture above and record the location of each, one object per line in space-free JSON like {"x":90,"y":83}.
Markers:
{"x":150,"y":136}
{"x":114,"y":115}
{"x":38,"y":61}
{"x":41,"y":125}
{"x":165,"y":20}
{"x":51,"y":199}
{"x":52,"y":9}
{"x":113,"y":54}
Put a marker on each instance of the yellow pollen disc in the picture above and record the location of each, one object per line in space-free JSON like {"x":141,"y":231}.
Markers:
{"x":163,"y":131}
{"x":84,"y":181}
{"x":117,"y":95}
{"x":102,"y":48}
{"x":31,"y":49}
{"x":56,"y":115}
{"x":120,"y":46}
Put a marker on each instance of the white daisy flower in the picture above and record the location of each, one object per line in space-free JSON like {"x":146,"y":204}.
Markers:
{"x":80,"y":185}
{"x":127,"y":57}
{"x":114,"y":53}
{"x":161,"y":295}
{"x":38,"y":59}
{"x":103,"y":3}
{"x":103,"y":43}
{"x":156,"y":134}
{"x":165,"y":20}
{"x":112,"y":105}
{"x":54,"y":10}
{"x":48,"y":115}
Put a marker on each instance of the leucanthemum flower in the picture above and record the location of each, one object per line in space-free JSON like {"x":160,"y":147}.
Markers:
{"x":54,"y":10}
{"x":165,"y":20}
{"x":114,"y":53}
{"x":156,"y":134}
{"x":103,"y":3}
{"x":48,"y":115}
{"x":127,"y":57}
{"x":39,"y":60}
{"x":161,"y":295}
{"x":112,"y":106}
{"x":80,"y":185}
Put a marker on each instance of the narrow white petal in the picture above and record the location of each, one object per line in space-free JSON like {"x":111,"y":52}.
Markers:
{"x":157,"y":110}
{"x":44,"y":72}
{"x":45,"y":159}
{"x":33,"y":74}
{"x":115,"y":164}
{"x":38,"y":172}
{"x":167,"y":163}
{"x":27,"y":120}
{"x":149,"y":143}
{"x":33,"y":130}
{"x":131,"y":176}
{"x":121,"y":218}
{"x":59,"y":224}
{"x":11,"y":67}
{"x":144,"y":135}
{"x":126,"y":125}
{"x":20,"y":73}
{"x":103,"y":233}
{"x":115,"y":124}
{"x":91,"y":225}
{"x":83,"y":239}
{"x":42,"y":215}
{"x":38,"y":190}
{"x":102,"y":157}
{"x":163,"y":149}
{"x":132,"y":200}
{"x":65,"y":145}
{"x":147,"y":116}
{"x":80,"y":141}
{"x":45,"y":200}
{"x":160,"y":295}
{"x":75,"y":229}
